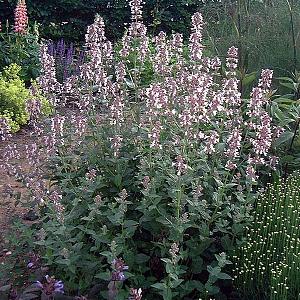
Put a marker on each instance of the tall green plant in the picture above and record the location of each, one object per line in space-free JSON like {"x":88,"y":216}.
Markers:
{"x":21,"y":49}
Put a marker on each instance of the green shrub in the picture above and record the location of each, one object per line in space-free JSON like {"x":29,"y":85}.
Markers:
{"x":268,"y":265}
{"x":14,"y":96}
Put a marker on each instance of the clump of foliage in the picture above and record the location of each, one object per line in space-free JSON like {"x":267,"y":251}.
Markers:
{"x":288,"y":110}
{"x":267,"y":266}
{"x":14,"y":97}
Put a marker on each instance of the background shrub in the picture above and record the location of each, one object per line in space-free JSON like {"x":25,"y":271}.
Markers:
{"x":70,"y":18}
{"x":265,"y":31}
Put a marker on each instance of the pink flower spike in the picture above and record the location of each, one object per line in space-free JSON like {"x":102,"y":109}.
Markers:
{"x":21,"y":18}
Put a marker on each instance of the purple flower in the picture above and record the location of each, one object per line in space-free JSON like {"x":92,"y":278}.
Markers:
{"x":195,"y":43}
{"x":50,"y":286}
{"x":118,"y":267}
{"x":34,"y":261}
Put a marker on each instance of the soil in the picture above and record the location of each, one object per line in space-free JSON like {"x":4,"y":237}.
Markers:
{"x":9,"y":206}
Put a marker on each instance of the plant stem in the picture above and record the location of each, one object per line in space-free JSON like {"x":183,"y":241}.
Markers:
{"x":293,"y":35}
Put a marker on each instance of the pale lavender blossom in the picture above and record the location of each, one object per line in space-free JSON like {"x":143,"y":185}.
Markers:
{"x":4,"y":129}
{"x":251,"y":173}
{"x":50,"y":286}
{"x":234,"y":144}
{"x":32,"y":154}
{"x":118,"y":267}
{"x":116,"y":110}
{"x":91,"y":175}
{"x":180,"y":165}
{"x":116,"y":144}
{"x":195,"y":41}
{"x":135,"y":294}
{"x":47,"y":79}
{"x":146,"y":182}
{"x":263,"y":139}
{"x":211,"y":141}
{"x":56,"y":199}
{"x":266,"y":80}
{"x":232,"y":60}
{"x":162,"y":56}
{"x":154,"y":135}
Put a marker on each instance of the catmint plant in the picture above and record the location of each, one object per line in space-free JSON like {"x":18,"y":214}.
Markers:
{"x":162,"y":173}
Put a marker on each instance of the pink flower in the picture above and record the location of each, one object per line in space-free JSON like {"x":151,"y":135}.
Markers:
{"x":21,"y":18}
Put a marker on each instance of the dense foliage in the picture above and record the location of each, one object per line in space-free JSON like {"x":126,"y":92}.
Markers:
{"x":266,"y":32}
{"x":69,"y":18}
{"x":157,"y":177}
{"x":14,"y":98}
{"x":22,"y":50}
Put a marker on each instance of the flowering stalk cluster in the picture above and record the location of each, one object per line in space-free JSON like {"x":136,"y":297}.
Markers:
{"x":47,"y":80}
{"x":118,"y":267}
{"x":184,"y":148}
{"x":67,"y":59}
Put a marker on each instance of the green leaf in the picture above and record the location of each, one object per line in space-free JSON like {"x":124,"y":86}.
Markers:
{"x":159,"y":286}
{"x":284,"y":137}
{"x":103,"y":275}
{"x":285,"y":79}
{"x":288,"y":85}
{"x":214,"y":271}
{"x":212,"y":289}
{"x":248,"y":79}
{"x":141,"y":258}
{"x":197,"y":265}
{"x":223,"y":276}
{"x":226,"y":242}
{"x":130,"y":223}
